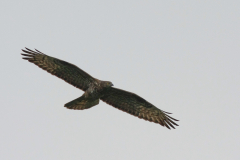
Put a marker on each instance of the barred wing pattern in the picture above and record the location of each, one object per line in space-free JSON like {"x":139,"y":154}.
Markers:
{"x":137,"y":106}
{"x":64,"y":70}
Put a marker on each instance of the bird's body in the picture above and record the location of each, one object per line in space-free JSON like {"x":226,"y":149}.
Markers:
{"x":95,"y":90}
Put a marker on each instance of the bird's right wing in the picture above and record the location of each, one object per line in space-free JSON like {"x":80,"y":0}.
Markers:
{"x":137,"y":106}
{"x":64,"y":70}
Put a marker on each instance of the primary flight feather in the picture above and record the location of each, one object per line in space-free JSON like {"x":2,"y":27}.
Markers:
{"x":95,"y":89}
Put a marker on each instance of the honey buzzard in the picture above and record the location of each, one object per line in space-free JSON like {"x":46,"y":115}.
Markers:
{"x":95,"y":89}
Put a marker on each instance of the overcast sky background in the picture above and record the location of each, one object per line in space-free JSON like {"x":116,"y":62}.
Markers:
{"x":182,"y":56}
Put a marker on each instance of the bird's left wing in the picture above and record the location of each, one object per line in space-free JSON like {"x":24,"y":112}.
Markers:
{"x":64,"y":70}
{"x":137,"y":106}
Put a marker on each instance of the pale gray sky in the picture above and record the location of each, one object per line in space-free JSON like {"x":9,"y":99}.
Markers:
{"x":182,"y":56}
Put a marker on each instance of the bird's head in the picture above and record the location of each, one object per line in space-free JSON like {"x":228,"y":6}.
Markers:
{"x":107,"y":84}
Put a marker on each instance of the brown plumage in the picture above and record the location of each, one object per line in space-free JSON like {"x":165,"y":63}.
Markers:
{"x":96,"y":89}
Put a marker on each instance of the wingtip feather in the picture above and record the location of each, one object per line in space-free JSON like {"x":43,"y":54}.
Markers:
{"x":38,"y":51}
{"x":26,"y":58}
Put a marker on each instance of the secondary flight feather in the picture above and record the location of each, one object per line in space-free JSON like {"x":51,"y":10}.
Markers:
{"x":95,"y":90}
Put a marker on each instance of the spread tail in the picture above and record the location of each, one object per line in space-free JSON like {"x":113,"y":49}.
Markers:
{"x":82,"y":103}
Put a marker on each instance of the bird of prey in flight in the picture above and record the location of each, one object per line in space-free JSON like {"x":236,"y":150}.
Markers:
{"x":95,"y":90}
